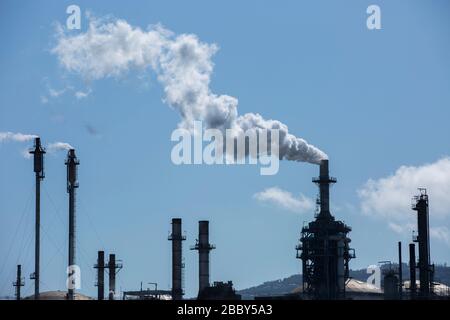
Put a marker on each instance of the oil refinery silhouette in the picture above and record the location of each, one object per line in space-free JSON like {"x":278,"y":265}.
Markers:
{"x":323,"y":248}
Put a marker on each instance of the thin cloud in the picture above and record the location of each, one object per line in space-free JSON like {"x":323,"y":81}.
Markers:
{"x":285,"y":200}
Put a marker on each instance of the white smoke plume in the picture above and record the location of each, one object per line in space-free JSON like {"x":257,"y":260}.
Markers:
{"x":17,"y":137}
{"x":183,"y":65}
{"x":58,"y":146}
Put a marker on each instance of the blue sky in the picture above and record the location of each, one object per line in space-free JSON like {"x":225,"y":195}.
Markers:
{"x":373,"y":100}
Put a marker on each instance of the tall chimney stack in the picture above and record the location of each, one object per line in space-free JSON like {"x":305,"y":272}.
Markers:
{"x":423,"y":239}
{"x":114,"y":267}
{"x":204,"y":247}
{"x":324,"y":181}
{"x":72,"y":184}
{"x":100,"y":266}
{"x":177,"y":264}
{"x":112,"y":276}
{"x":19,"y":281}
{"x":38,"y":157}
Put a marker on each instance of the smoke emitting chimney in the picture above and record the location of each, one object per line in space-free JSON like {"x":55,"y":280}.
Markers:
{"x":204,"y":247}
{"x":38,"y":157}
{"x":177,"y":264}
{"x":72,"y":183}
{"x":324,"y":181}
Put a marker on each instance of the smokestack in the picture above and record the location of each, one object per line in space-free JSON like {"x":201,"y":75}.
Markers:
{"x":204,"y":247}
{"x":177,"y":265}
{"x":324,"y":181}
{"x":100,"y":266}
{"x":400,"y":270}
{"x":112,"y":276}
{"x":114,"y":267}
{"x":423,"y":239}
{"x":72,"y":183}
{"x":38,"y":157}
{"x":19,"y":281}
{"x":412,"y":269}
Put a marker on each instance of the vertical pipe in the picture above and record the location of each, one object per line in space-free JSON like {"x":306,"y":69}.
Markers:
{"x":18,"y":281}
{"x":203,"y":254}
{"x":204,"y":247}
{"x":38,"y":161}
{"x":71,"y":263}
{"x":112,"y":276}
{"x":341,"y":268}
{"x":324,"y":188}
{"x":424,"y":245}
{"x":72,"y":184}
{"x":101,"y":275}
{"x":412,"y":269}
{"x":37,"y":244}
{"x":177,"y":264}
{"x":400,"y":270}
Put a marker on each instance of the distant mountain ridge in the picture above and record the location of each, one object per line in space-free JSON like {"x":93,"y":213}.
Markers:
{"x":286,"y":285}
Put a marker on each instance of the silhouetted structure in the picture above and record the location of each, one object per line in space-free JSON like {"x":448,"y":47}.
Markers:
{"x":19,"y":281}
{"x":412,"y":270}
{"x":100,"y":266}
{"x":391,"y":285}
{"x":113,"y":268}
{"x":177,"y":255}
{"x":420,"y":204}
{"x":148,"y":294}
{"x":324,"y":247}
{"x":219,"y":291}
{"x":400,"y":270}
{"x":72,"y":184}
{"x":203,"y":247}
{"x":38,"y":158}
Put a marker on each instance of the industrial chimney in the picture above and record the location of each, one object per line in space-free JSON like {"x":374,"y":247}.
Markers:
{"x":323,"y":181}
{"x":423,"y":238}
{"x":177,"y":264}
{"x":19,"y":281}
{"x":72,"y":184}
{"x":38,"y":157}
{"x":204,"y":247}
{"x":114,"y":267}
{"x":100,"y":266}
{"x":324,"y":247}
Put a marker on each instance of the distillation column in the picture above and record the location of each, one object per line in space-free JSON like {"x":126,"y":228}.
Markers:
{"x":423,"y":239}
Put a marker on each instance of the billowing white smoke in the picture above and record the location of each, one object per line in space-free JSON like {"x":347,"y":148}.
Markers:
{"x":58,"y":146}
{"x":17,"y":137}
{"x":183,"y":65}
